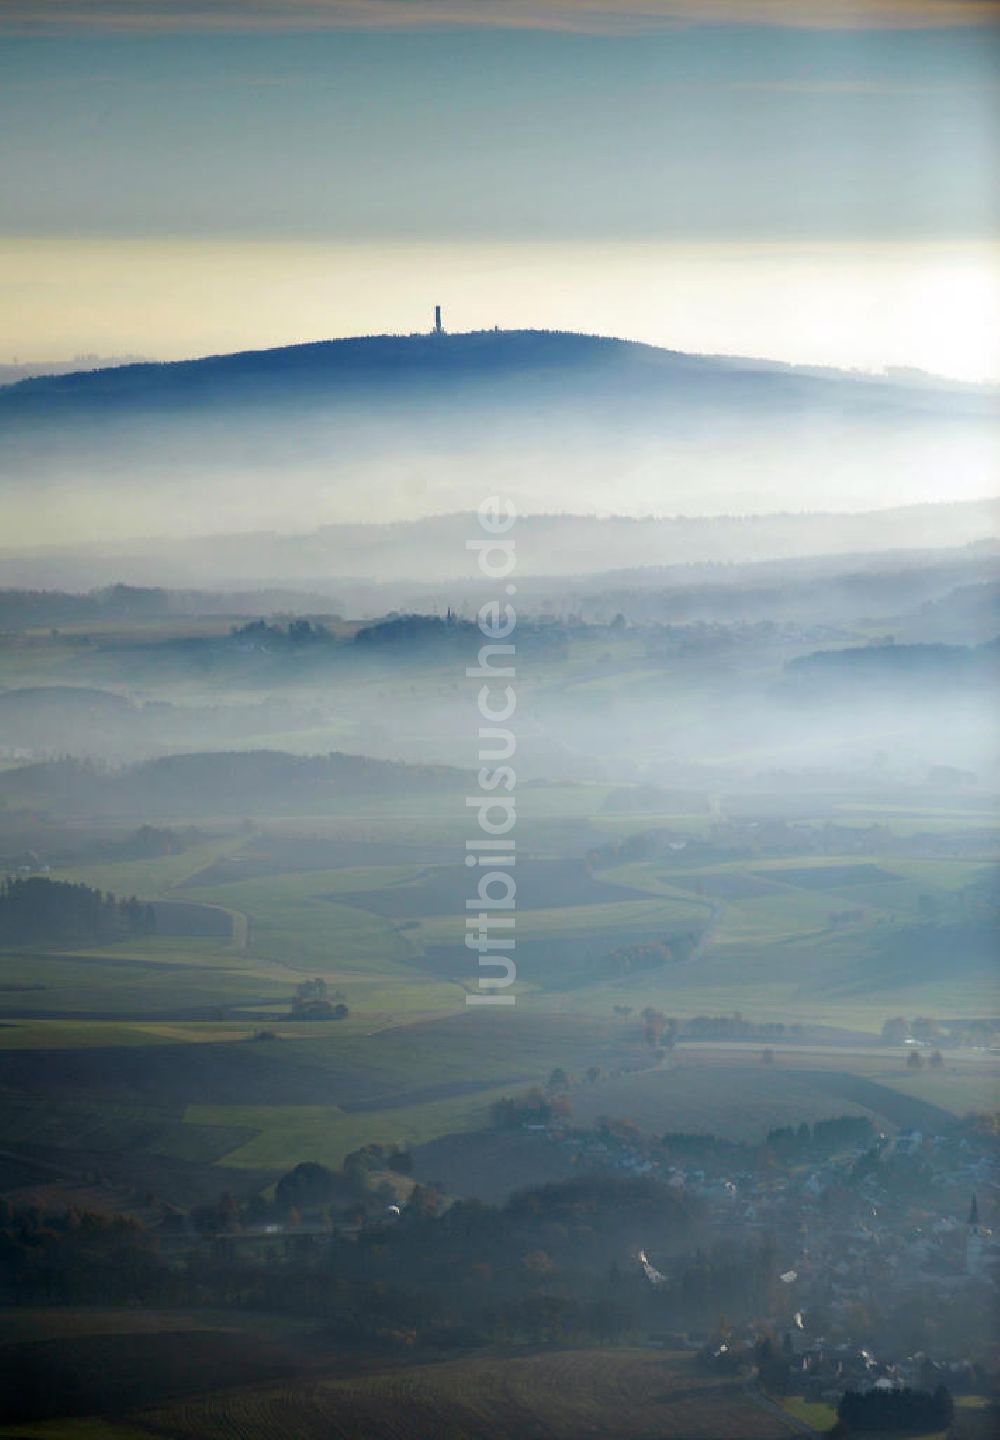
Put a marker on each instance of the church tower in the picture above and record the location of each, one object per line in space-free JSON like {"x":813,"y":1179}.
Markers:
{"x":975,"y":1241}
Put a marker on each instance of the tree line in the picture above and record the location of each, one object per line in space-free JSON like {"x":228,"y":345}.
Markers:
{"x":53,"y":911}
{"x":555,"y":1263}
{"x":910,"y":1411}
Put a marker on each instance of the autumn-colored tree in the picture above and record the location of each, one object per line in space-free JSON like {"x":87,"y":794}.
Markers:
{"x":537,"y":1262}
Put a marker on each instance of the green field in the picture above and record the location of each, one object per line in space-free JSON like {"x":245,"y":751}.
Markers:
{"x":814,"y":1413}
{"x":145,"y":1048}
{"x":777,"y":949}
{"x":733,"y":1102}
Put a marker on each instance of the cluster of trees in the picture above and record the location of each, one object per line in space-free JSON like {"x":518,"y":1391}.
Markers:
{"x":311,"y":1186}
{"x":704,"y":1027}
{"x":643,"y":955}
{"x":221,"y":1218}
{"x":825,"y":1137}
{"x":697,"y":1145}
{"x":660,"y":1030}
{"x":641,"y":846}
{"x":314,"y":1002}
{"x":362,"y":1165}
{"x":735,"y":1027}
{"x":773,"y":1364}
{"x":911,"y":1411}
{"x":977,"y":1033}
{"x":897,"y":1030}
{"x":415,"y":631}
{"x":915,"y":1061}
{"x":150,"y":842}
{"x":55,"y":911}
{"x":551,"y":1105}
{"x":553,"y":1264}
{"x":535,"y":1107}
{"x":836,"y":918}
{"x":75,"y":1257}
{"x":414,"y":634}
{"x":296,"y":632}
{"x":310,"y":1192}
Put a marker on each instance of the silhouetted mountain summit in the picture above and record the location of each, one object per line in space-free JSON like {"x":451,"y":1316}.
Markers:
{"x":394,"y":428}
{"x":441,"y":363}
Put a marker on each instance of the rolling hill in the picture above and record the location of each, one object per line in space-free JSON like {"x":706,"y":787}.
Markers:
{"x":394,"y":428}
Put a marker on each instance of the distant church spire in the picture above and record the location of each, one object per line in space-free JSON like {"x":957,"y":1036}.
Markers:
{"x":977,"y":1242}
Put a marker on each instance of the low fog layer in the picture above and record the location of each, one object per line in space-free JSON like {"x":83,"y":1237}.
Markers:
{"x":369,"y":569}
{"x":833,"y":675}
{"x":394,"y":428}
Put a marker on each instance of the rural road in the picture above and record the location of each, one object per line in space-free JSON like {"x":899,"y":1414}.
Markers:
{"x":754,"y":1393}
{"x":705,"y":938}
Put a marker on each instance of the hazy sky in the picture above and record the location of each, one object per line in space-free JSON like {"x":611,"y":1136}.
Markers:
{"x":209,"y":176}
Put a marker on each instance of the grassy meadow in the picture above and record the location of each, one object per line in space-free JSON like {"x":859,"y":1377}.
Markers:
{"x":168,"y":1024}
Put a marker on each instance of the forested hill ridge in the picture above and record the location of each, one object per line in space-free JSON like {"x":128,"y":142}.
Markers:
{"x":221,"y":783}
{"x":395,"y":363}
{"x":892,"y":665}
{"x":392,"y":429}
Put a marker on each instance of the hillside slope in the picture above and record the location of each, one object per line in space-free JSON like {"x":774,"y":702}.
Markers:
{"x":394,"y":428}
{"x":423,"y":364}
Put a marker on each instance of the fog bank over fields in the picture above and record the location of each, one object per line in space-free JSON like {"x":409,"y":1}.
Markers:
{"x":418,"y":561}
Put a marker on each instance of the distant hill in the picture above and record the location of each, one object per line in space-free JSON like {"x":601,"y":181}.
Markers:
{"x":969,"y":612}
{"x":227,"y":783}
{"x":28,"y":369}
{"x":900,"y":556}
{"x":864,"y":669}
{"x":23,"y":609}
{"x":428,"y":363}
{"x":393,"y":428}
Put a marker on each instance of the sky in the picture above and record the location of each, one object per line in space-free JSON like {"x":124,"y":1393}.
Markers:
{"x":815,"y":182}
